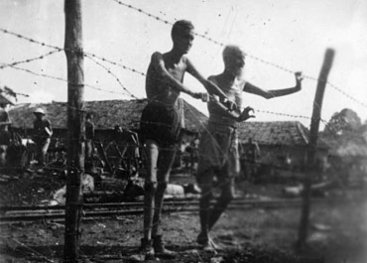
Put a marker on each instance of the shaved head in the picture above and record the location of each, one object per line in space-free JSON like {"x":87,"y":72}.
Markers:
{"x":233,"y":52}
{"x":180,"y":27}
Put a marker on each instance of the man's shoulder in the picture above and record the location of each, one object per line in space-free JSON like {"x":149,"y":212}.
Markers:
{"x":46,"y":121}
{"x":213,"y":77}
{"x":157,"y":55}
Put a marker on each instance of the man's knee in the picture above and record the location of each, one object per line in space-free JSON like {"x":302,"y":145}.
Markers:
{"x":150,"y":188}
{"x":206,"y":193}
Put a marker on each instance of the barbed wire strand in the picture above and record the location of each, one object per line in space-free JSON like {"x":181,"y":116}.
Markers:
{"x":204,"y":36}
{"x":363,"y":104}
{"x":62,"y":79}
{"x":115,"y":63}
{"x":29,"y":59}
{"x":340,"y":90}
{"x":5,"y":31}
{"x":85,"y":53}
{"x":254,"y":57}
{"x":113,"y":75}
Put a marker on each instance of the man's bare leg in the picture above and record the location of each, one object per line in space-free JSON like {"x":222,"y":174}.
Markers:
{"x":223,"y":201}
{"x":165,"y":162}
{"x":146,"y":251}
{"x":205,"y":182}
{"x":150,"y":187}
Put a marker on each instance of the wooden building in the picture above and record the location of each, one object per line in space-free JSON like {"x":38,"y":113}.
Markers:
{"x":107,"y":114}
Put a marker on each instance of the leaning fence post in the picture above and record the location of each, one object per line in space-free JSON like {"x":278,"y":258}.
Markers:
{"x":312,"y":146}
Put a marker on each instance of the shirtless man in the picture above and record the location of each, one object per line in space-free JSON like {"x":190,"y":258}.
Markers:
{"x":160,"y":127}
{"x":218,"y":149}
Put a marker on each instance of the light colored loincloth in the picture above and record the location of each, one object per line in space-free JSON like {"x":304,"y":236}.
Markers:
{"x":218,"y":151}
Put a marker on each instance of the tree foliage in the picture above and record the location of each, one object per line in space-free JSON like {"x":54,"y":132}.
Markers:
{"x":343,"y":122}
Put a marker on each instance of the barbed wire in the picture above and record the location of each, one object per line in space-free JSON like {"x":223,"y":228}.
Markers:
{"x":284,"y":114}
{"x":61,"y":79}
{"x":113,"y":75}
{"x":143,"y":74}
{"x":144,"y":12}
{"x":85,"y":53}
{"x":115,"y":63}
{"x":29,"y":59}
{"x":5,"y":31}
{"x":204,"y":36}
{"x":363,"y":104}
{"x":93,"y":56}
{"x":125,"y":67}
{"x":254,"y":57}
{"x":340,"y":90}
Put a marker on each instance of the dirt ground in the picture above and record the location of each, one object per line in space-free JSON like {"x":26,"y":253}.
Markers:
{"x":338,"y":233}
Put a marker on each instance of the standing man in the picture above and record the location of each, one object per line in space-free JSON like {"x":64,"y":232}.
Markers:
{"x":4,"y":130}
{"x":218,"y":149}
{"x":89,"y":135}
{"x":251,"y":153}
{"x":89,"y":145}
{"x":160,"y":127}
{"x":42,"y":136}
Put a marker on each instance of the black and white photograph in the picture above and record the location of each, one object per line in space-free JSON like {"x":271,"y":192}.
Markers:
{"x":196,"y":131}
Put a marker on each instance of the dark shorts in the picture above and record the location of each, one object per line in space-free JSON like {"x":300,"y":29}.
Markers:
{"x":160,"y":123}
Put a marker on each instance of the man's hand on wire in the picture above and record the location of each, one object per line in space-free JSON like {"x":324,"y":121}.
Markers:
{"x":197,"y":95}
{"x":231,"y":105}
{"x":246,"y":114}
{"x":299,"y":77}
{"x":203,"y":96}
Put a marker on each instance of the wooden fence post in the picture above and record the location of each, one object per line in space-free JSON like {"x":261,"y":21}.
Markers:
{"x":312,"y":147}
{"x":75,"y":123}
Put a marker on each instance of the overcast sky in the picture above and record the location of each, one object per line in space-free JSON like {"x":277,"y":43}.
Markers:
{"x":291,"y":33}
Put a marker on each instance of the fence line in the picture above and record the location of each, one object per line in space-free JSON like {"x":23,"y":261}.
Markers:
{"x":204,"y":36}
{"x":125,"y":67}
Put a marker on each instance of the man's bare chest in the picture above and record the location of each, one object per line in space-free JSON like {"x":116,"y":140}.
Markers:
{"x":177,"y":70}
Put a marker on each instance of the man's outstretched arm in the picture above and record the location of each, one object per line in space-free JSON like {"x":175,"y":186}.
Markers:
{"x":268,"y":94}
{"x":210,"y":86}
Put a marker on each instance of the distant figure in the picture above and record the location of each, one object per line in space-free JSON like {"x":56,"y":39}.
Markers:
{"x":218,"y":149}
{"x":250,"y":156}
{"x":89,"y":145}
{"x":89,"y":135}
{"x":5,"y":135}
{"x":4,"y":116}
{"x":160,"y":127}
{"x":42,"y":136}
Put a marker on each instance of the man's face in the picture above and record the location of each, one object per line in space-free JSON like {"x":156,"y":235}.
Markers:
{"x":39,"y":116}
{"x":235,"y":65}
{"x":183,"y":40}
